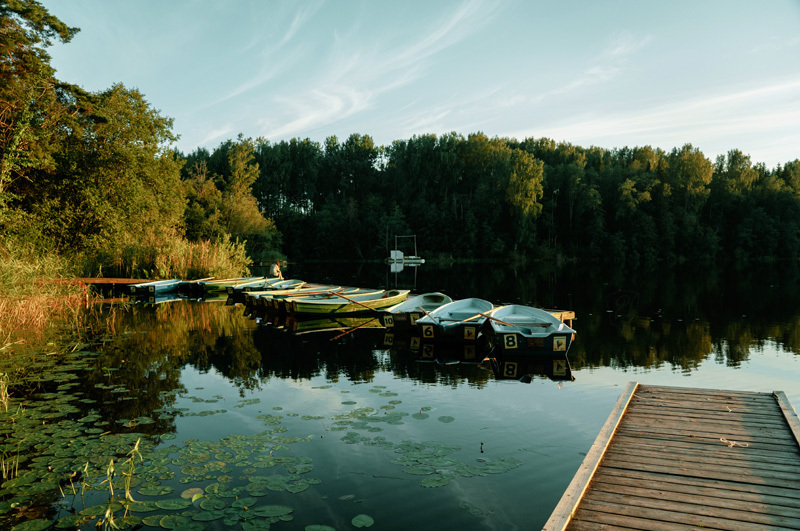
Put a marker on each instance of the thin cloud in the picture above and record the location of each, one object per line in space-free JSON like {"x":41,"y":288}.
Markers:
{"x":356,"y":76}
{"x":770,"y":108}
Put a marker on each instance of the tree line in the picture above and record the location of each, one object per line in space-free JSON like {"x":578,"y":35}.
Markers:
{"x":93,"y":176}
{"x":479,"y":197}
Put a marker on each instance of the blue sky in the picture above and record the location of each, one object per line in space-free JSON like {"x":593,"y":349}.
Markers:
{"x":719,"y":74}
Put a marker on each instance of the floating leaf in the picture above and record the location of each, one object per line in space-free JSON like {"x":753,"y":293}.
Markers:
{"x":446,"y":419}
{"x":174,"y":521}
{"x":272,"y":510}
{"x":159,"y":490}
{"x":362,"y":520}
{"x":213,"y":504}
{"x":435,"y":481}
{"x":191,"y":493}
{"x":173,"y":504}
{"x":244,"y":503}
{"x":319,"y":527}
{"x":420,"y":416}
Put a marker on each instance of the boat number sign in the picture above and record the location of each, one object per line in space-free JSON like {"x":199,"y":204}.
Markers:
{"x":388,"y":339}
{"x":427,"y":330}
{"x":509,"y":341}
{"x":510,"y":369}
{"x":470,"y":333}
{"x":388,"y":321}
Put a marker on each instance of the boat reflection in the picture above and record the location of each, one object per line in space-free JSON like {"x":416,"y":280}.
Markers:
{"x":526,"y":368}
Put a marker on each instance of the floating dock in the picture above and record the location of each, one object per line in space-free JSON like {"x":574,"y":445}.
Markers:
{"x":673,"y":458}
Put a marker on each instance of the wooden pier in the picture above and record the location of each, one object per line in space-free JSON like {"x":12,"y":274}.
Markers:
{"x":672,"y":458}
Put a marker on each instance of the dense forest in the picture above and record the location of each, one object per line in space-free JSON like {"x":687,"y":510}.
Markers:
{"x":95,"y":177}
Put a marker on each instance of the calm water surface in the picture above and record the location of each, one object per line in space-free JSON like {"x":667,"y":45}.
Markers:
{"x":336,"y":427}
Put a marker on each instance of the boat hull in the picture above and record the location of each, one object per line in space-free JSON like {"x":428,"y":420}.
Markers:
{"x":460,"y":320}
{"x":518,"y":329}
{"x":344,"y":304}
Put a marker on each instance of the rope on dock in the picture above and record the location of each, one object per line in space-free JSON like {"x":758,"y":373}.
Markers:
{"x":731,"y":444}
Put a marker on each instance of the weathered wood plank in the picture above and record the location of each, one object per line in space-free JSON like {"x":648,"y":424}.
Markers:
{"x":608,"y":512}
{"x":755,"y":419}
{"x":683,"y":458}
{"x":754,"y":478}
{"x":623,"y":523}
{"x":700,"y":391}
{"x":718,"y":491}
{"x":778,"y":452}
{"x":789,"y":413}
{"x":696,"y":503}
{"x":791,"y":495}
{"x":709,"y":428}
{"x":715,"y":438}
{"x":711,"y":450}
{"x":686,"y":512}
{"x":688,"y":458}
{"x":569,"y":500}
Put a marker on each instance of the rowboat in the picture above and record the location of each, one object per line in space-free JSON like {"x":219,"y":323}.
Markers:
{"x":239,"y":293}
{"x":221,"y":285}
{"x":528,"y":330}
{"x":460,"y":320}
{"x":405,"y":314}
{"x":340,"y":303}
{"x":275,"y":301}
{"x":151,"y":288}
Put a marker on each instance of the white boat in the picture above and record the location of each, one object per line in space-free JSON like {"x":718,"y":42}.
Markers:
{"x":405,"y":314}
{"x":460,"y":320}
{"x":525,"y":329}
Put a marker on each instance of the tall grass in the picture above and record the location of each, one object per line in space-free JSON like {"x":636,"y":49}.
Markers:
{"x":156,"y":255}
{"x":34,"y":287}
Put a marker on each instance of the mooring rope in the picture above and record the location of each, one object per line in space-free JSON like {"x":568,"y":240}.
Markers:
{"x":731,"y":444}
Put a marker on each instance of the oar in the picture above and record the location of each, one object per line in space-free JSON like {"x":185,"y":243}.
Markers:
{"x":352,"y":329}
{"x":520,"y":323}
{"x":353,"y":301}
{"x":496,"y":319}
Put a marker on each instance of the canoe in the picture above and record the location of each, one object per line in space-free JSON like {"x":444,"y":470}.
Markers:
{"x":525,"y":329}
{"x":404,"y":315}
{"x":340,"y":303}
{"x":460,"y":320}
{"x":151,"y":288}
{"x":221,"y":284}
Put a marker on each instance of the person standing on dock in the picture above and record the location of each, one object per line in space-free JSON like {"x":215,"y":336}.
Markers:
{"x":275,"y":270}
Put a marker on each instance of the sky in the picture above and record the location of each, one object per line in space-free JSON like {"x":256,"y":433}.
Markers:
{"x":717,"y":74}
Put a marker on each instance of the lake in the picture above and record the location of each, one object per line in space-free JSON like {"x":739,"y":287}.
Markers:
{"x":244,"y":424}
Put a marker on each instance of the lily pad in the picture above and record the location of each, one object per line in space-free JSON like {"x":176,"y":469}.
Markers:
{"x":272,"y":510}
{"x":174,"y":521}
{"x":32,"y":525}
{"x":362,"y":520}
{"x":173,"y":504}
{"x":189,"y":494}
{"x":446,"y":419}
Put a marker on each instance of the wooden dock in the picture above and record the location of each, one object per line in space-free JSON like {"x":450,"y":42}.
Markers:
{"x":672,"y":458}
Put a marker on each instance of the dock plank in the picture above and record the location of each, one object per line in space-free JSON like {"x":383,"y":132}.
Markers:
{"x":675,"y":458}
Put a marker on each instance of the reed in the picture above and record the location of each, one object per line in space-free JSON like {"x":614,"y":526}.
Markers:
{"x":158,"y":255}
{"x":34,"y":288}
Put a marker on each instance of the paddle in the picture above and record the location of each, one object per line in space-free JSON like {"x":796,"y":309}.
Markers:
{"x":353,"y":301}
{"x":352,"y":329}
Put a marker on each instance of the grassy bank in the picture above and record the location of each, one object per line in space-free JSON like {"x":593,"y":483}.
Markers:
{"x":35,"y":287}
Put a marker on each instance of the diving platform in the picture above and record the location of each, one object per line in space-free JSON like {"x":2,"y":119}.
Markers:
{"x":674,"y":458}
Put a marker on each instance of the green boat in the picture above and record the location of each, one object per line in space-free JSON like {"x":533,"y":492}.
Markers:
{"x":340,"y":303}
{"x":221,"y":284}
